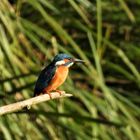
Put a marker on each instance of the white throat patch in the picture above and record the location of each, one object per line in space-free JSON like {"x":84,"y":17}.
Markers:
{"x":58,"y":63}
{"x":70,"y":64}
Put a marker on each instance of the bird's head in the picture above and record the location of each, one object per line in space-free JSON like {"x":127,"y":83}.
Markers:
{"x":65,"y":60}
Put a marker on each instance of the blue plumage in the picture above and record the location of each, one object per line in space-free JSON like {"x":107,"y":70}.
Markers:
{"x":61,"y":56}
{"x":44,"y":79}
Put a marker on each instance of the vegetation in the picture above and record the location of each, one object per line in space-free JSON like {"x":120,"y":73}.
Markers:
{"x":105,"y":103}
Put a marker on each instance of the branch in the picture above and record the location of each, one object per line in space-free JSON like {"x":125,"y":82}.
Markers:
{"x":29,"y":102}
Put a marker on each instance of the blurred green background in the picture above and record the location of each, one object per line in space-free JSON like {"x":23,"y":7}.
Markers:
{"x":106,"y":91}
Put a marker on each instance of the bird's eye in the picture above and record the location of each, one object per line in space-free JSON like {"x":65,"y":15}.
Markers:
{"x":70,"y":59}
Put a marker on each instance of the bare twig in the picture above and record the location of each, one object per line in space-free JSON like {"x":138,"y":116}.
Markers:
{"x":29,"y":102}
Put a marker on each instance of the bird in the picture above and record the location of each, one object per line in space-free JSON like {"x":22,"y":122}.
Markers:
{"x":55,"y":74}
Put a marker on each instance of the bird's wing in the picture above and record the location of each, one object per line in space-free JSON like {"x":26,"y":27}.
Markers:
{"x":44,"y":79}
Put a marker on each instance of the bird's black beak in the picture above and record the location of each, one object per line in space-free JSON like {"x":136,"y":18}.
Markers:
{"x":78,"y":61}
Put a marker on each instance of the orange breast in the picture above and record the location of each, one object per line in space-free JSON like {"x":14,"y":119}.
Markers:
{"x":58,"y":79}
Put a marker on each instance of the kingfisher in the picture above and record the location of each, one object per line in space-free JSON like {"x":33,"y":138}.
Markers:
{"x":55,"y":74}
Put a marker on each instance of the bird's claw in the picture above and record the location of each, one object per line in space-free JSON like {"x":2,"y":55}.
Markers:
{"x":60,"y":92}
{"x":49,"y":95}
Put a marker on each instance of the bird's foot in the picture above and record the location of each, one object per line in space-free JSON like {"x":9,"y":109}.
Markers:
{"x":46,"y":92}
{"x":49,"y":95}
{"x":60,"y":92}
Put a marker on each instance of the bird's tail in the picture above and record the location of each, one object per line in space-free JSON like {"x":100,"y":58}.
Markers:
{"x":36,"y":93}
